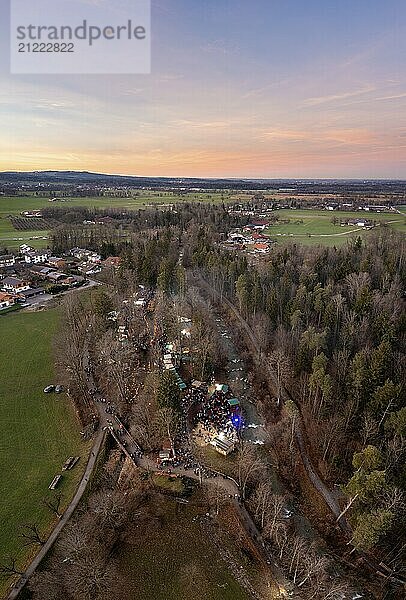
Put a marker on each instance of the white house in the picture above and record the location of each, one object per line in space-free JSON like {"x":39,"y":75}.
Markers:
{"x":89,"y":255}
{"x":36,"y":258}
{"x":15,"y":285}
{"x":7,"y":260}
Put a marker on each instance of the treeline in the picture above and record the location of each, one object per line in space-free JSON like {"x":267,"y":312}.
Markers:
{"x":335,"y":320}
{"x":94,"y":228}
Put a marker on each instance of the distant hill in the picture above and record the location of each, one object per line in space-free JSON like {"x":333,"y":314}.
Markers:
{"x":86,"y":178}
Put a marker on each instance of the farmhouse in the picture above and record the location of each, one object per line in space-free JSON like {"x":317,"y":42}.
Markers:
{"x":6,"y":300}
{"x":15,"y":285}
{"x":36,"y":257}
{"x":7,"y":260}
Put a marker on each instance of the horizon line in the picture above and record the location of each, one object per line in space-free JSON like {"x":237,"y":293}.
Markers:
{"x":190,"y":177}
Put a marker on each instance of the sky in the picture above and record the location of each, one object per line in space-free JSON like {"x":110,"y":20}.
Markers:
{"x":238,"y":88}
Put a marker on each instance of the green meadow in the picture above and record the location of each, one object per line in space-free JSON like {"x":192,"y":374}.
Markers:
{"x":38,"y":431}
{"x":310,"y":227}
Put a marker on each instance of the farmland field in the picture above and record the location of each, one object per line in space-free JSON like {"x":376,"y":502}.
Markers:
{"x":316,"y":227}
{"x":38,"y":431}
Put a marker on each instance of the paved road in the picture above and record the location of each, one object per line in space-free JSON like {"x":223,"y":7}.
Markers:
{"x":43,"y":299}
{"x":16,"y":589}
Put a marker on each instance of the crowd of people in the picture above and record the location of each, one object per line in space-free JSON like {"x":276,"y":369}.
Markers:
{"x":216,"y":416}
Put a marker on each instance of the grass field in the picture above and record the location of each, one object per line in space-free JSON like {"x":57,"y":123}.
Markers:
{"x":169,"y":557}
{"x":38,"y":431}
{"x":311,"y":227}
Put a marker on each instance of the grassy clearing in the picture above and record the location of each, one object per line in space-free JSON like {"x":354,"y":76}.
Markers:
{"x":212,"y":459}
{"x":39,"y":431}
{"x":169,"y":556}
{"x":170,"y":484}
{"x":311,"y":227}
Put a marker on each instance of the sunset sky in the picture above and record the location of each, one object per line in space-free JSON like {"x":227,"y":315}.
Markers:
{"x":239,"y":88}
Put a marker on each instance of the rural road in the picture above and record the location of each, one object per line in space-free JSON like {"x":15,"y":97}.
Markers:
{"x":16,"y":589}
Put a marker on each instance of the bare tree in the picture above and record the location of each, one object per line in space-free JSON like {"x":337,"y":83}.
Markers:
{"x":110,"y":506}
{"x":93,"y":579}
{"x":274,"y":514}
{"x":394,"y":500}
{"x":8,"y":567}
{"x":54,"y":504}
{"x":370,"y":429}
{"x":216,"y":494}
{"x":262,"y":501}
{"x":168,"y":422}
{"x":74,"y":542}
{"x":31,"y":535}
{"x":249,"y":465}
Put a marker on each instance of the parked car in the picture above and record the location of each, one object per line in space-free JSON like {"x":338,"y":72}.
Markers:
{"x":48,"y":389}
{"x":59,"y":389}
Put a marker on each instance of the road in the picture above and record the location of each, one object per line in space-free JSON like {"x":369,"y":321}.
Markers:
{"x":43,"y":299}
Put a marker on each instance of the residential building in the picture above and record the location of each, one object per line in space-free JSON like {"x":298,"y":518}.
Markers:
{"x":89,"y":255}
{"x":6,"y":300}
{"x":40,"y":270}
{"x":15,"y":285}
{"x":36,"y":258}
{"x":30,"y":293}
{"x":7,"y":260}
{"x":56,"y":261}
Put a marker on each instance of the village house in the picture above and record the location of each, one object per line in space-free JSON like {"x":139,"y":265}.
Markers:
{"x":40,"y":270}
{"x":30,"y":293}
{"x":7,"y":260}
{"x":36,"y":258}
{"x":56,"y":261}
{"x":24,"y":248}
{"x":15,"y":285}
{"x":261,"y":248}
{"x":89,"y":255}
{"x":57,"y":277}
{"x":6,"y":300}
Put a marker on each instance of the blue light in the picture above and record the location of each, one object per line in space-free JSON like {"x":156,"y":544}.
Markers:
{"x":236,"y":421}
